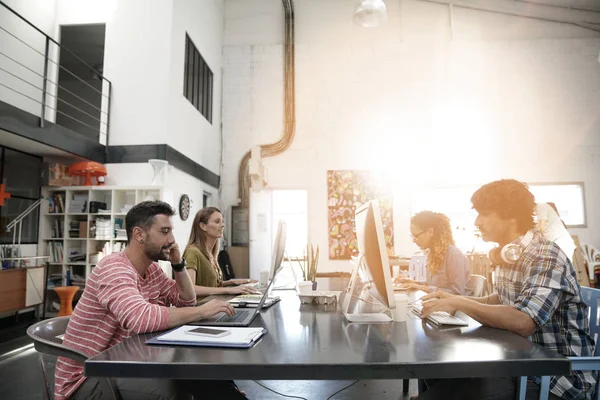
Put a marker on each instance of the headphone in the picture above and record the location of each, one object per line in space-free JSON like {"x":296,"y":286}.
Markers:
{"x":510,"y":253}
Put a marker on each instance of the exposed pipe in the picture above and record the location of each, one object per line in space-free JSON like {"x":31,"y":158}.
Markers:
{"x":451,"y":20}
{"x":280,"y":146}
{"x":541,"y":3}
{"x":584,"y":25}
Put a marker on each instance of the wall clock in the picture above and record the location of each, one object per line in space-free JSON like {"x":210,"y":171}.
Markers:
{"x":184,"y":207}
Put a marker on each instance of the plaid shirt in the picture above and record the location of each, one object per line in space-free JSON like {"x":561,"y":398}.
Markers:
{"x":543,"y":285}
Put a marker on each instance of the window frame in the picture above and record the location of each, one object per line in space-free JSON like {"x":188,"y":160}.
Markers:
{"x":36,"y":232}
{"x":583,"y":202}
{"x":198,"y":86}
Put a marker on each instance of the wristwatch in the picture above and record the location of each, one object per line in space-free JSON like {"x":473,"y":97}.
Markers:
{"x":179,"y":267}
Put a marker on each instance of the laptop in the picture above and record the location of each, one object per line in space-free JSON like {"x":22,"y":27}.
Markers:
{"x":252,"y":300}
{"x":242,"y":317}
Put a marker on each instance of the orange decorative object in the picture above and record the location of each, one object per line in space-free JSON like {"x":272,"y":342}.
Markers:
{"x":3,"y":195}
{"x":87,"y":169}
{"x":66,"y":295}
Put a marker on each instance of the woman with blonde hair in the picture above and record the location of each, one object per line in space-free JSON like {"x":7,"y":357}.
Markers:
{"x":201,"y":256}
{"x":448,"y":269}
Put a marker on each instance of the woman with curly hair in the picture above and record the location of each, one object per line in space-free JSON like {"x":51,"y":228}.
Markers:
{"x":447,"y":267}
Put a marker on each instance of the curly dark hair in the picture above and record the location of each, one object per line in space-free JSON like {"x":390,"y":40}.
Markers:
{"x":442,"y":237}
{"x":508,"y":198}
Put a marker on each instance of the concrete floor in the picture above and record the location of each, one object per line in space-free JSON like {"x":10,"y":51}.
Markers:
{"x":22,"y":380}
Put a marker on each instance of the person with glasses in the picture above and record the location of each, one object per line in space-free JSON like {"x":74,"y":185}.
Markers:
{"x":447,"y":267}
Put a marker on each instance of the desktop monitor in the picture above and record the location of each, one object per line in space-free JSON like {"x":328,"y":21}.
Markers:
{"x":278,"y":249}
{"x":372,"y":268}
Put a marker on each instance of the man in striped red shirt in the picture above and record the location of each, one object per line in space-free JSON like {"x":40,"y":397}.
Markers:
{"x":127,"y":294}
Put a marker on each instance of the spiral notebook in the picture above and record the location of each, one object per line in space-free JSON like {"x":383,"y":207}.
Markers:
{"x":239,"y":338}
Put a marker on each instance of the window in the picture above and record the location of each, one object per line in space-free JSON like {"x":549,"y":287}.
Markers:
{"x":197,"y":80}
{"x":455,"y":202}
{"x":569,"y":199}
{"x":206,"y":199}
{"x":21,"y":176}
{"x":292,"y":207}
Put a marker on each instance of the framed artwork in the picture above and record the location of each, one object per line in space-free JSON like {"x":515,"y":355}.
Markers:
{"x":347,"y":190}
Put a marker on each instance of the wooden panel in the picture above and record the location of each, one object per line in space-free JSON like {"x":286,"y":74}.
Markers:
{"x":579,"y":264}
{"x":239,"y":257}
{"x":35,"y":286}
{"x":12,"y":289}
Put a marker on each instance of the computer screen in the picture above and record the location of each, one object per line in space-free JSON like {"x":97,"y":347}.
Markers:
{"x":278,"y":249}
{"x":371,"y":245}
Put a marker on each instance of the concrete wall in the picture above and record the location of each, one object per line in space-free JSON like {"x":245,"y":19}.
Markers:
{"x":507,"y":97}
{"x":188,"y":131}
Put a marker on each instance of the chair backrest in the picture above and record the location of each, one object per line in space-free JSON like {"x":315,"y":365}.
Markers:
{"x":590,"y":297}
{"x":591,"y":254}
{"x":417,"y":267}
{"x":225,"y":264}
{"x":47,"y":338}
{"x":478,"y":285}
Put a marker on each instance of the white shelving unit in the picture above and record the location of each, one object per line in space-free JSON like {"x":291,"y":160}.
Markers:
{"x":67,"y":227}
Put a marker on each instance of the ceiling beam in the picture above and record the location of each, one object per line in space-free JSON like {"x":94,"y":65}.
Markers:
{"x":550,"y":13}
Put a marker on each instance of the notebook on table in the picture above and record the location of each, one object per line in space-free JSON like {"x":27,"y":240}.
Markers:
{"x":237,"y":338}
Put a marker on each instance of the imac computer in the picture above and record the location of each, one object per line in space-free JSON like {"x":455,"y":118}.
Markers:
{"x":371,"y":280}
{"x":278,"y":249}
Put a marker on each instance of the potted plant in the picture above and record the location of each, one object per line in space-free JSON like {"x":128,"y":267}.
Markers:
{"x":309,"y":267}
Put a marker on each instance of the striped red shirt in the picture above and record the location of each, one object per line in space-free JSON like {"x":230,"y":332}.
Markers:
{"x":117,"y":303}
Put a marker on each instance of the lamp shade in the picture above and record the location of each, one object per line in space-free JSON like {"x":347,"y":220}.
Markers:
{"x":370,"y":13}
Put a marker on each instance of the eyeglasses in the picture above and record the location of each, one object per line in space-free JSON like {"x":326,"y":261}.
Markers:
{"x":417,"y":235}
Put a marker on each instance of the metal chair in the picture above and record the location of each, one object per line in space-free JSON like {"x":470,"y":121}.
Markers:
{"x":592,"y":257}
{"x":590,"y":297}
{"x":47,"y":338}
{"x":478,"y":285}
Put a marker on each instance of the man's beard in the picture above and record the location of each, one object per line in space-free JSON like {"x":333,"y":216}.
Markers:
{"x":156,"y":253}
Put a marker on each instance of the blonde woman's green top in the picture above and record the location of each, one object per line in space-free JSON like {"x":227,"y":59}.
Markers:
{"x":207,"y":274}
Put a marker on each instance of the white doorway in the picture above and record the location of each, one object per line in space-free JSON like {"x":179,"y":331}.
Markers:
{"x":266,"y":209}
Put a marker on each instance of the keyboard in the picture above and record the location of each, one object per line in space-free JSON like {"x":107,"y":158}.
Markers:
{"x":439,"y":317}
{"x":239,"y":315}
{"x":400,"y":286}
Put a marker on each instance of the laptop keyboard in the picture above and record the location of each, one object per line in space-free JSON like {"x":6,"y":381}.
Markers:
{"x":239,"y":315}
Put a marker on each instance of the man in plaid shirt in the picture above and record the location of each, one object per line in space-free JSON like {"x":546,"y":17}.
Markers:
{"x":538,"y":297}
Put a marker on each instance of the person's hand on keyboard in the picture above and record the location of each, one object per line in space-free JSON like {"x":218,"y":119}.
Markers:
{"x":401,"y":279}
{"x":437,"y":295}
{"x":239,"y":290}
{"x":432,"y":305}
{"x":215,"y":307}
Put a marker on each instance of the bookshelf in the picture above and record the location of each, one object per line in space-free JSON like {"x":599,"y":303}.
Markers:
{"x":81,"y":224}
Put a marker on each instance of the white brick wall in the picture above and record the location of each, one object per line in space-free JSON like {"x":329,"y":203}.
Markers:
{"x":509,"y":97}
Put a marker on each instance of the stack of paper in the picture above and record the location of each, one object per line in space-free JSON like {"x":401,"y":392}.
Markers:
{"x":238,"y":337}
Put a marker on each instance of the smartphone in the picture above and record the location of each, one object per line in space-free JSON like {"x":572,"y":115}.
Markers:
{"x":208,"y":332}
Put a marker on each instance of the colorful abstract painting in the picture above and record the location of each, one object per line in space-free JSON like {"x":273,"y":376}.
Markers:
{"x":347,"y":190}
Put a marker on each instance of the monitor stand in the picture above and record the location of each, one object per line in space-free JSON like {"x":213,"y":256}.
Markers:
{"x":359,"y":317}
{"x":368,"y":317}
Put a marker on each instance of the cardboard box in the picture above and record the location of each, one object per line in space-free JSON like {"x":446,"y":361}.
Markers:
{"x":83,"y":229}
{"x":56,"y":174}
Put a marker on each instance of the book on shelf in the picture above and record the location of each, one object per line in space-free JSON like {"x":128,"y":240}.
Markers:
{"x":56,"y":252}
{"x":56,"y":204}
{"x":57,"y":230}
{"x":76,"y":256}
